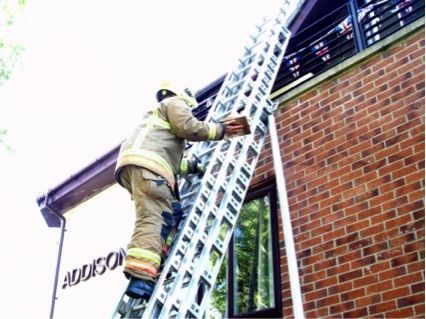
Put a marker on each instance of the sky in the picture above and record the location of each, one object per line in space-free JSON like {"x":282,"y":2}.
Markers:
{"x":89,"y":71}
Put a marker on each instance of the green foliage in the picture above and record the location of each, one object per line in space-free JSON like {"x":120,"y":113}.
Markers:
{"x":253,"y":252}
{"x":3,"y":145}
{"x":252,"y":248}
{"x":9,"y":61}
{"x":10,"y":52}
{"x":218,"y":296}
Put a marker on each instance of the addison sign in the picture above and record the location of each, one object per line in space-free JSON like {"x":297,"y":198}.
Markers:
{"x":96,"y":268}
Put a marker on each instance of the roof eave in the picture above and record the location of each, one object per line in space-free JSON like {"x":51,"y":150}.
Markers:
{"x":88,"y":182}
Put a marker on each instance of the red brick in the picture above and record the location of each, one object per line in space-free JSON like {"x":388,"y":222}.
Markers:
{"x":382,"y":198}
{"x":326,"y":204}
{"x":393,"y":203}
{"x":416,"y":141}
{"x":311,"y":242}
{"x":315,"y":294}
{"x":416,"y":266}
{"x":404,"y":259}
{"x":382,"y":307}
{"x":396,"y":222}
{"x":326,"y":282}
{"x":349,"y":276}
{"x":400,"y":241}
{"x":417,"y":287}
{"x":388,"y":233}
{"x":395,"y":293}
{"x":414,"y":246}
{"x":400,"y":313}
{"x":411,"y":300}
{"x":333,"y":219}
{"x":369,"y":278}
{"x":353,"y":294}
{"x":376,"y":248}
{"x":334,"y":234}
{"x":367,"y":300}
{"x":360,"y":206}
{"x":343,"y":203}
{"x":419,"y":310}
{"x":317,"y":313}
{"x":356,"y":313}
{"x":325,"y":302}
{"x":417,"y":195}
{"x":315,"y":276}
{"x":392,"y":273}
{"x":408,"y":279}
{"x":380,"y":287}
{"x":321,"y":230}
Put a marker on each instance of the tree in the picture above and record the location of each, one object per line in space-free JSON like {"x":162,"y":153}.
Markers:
{"x":2,"y":143}
{"x":253,"y":281}
{"x":10,"y":52}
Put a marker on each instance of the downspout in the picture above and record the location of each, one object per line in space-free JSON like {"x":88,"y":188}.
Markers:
{"x":296,"y":292}
{"x":58,"y":262}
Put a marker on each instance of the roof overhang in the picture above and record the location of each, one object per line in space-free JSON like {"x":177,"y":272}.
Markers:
{"x":78,"y":188}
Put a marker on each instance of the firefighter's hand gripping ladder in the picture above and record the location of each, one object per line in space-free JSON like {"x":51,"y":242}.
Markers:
{"x":212,"y":204}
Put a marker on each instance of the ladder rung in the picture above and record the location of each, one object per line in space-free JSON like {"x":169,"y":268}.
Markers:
{"x":195,"y":310}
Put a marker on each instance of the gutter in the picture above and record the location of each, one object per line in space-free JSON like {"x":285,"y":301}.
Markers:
{"x":86,"y":183}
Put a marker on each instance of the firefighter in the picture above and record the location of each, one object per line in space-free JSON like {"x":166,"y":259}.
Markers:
{"x":147,"y":167}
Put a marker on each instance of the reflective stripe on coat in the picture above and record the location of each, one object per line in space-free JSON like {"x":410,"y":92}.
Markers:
{"x":159,"y":141}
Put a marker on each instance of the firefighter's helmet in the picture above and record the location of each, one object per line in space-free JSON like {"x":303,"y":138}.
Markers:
{"x":167,"y":89}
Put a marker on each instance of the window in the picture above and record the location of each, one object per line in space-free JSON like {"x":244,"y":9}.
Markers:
{"x":248,"y":284}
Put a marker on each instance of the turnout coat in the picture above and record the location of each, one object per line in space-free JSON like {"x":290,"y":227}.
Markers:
{"x":159,"y":141}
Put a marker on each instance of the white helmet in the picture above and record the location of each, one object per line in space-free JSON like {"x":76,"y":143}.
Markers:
{"x":167,"y":89}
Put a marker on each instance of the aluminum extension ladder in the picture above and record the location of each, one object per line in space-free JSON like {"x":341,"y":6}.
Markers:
{"x":212,"y":204}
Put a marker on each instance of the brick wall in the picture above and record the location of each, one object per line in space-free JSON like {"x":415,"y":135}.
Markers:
{"x":353,"y":156}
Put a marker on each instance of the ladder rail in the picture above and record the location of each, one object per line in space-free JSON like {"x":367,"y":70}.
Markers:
{"x":176,"y":303}
{"x":213,"y":203}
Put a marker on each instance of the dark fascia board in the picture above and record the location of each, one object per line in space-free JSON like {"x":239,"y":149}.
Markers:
{"x":88,"y":182}
{"x":99,"y":175}
{"x":210,"y":89}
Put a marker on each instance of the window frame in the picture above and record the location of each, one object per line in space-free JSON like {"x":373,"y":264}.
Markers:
{"x":269,"y":190}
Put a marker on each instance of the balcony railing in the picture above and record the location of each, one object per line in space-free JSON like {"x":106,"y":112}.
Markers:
{"x":340,"y":35}
{"x":331,"y":40}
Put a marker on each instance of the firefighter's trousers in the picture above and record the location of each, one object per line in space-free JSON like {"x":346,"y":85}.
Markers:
{"x":152,"y":197}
